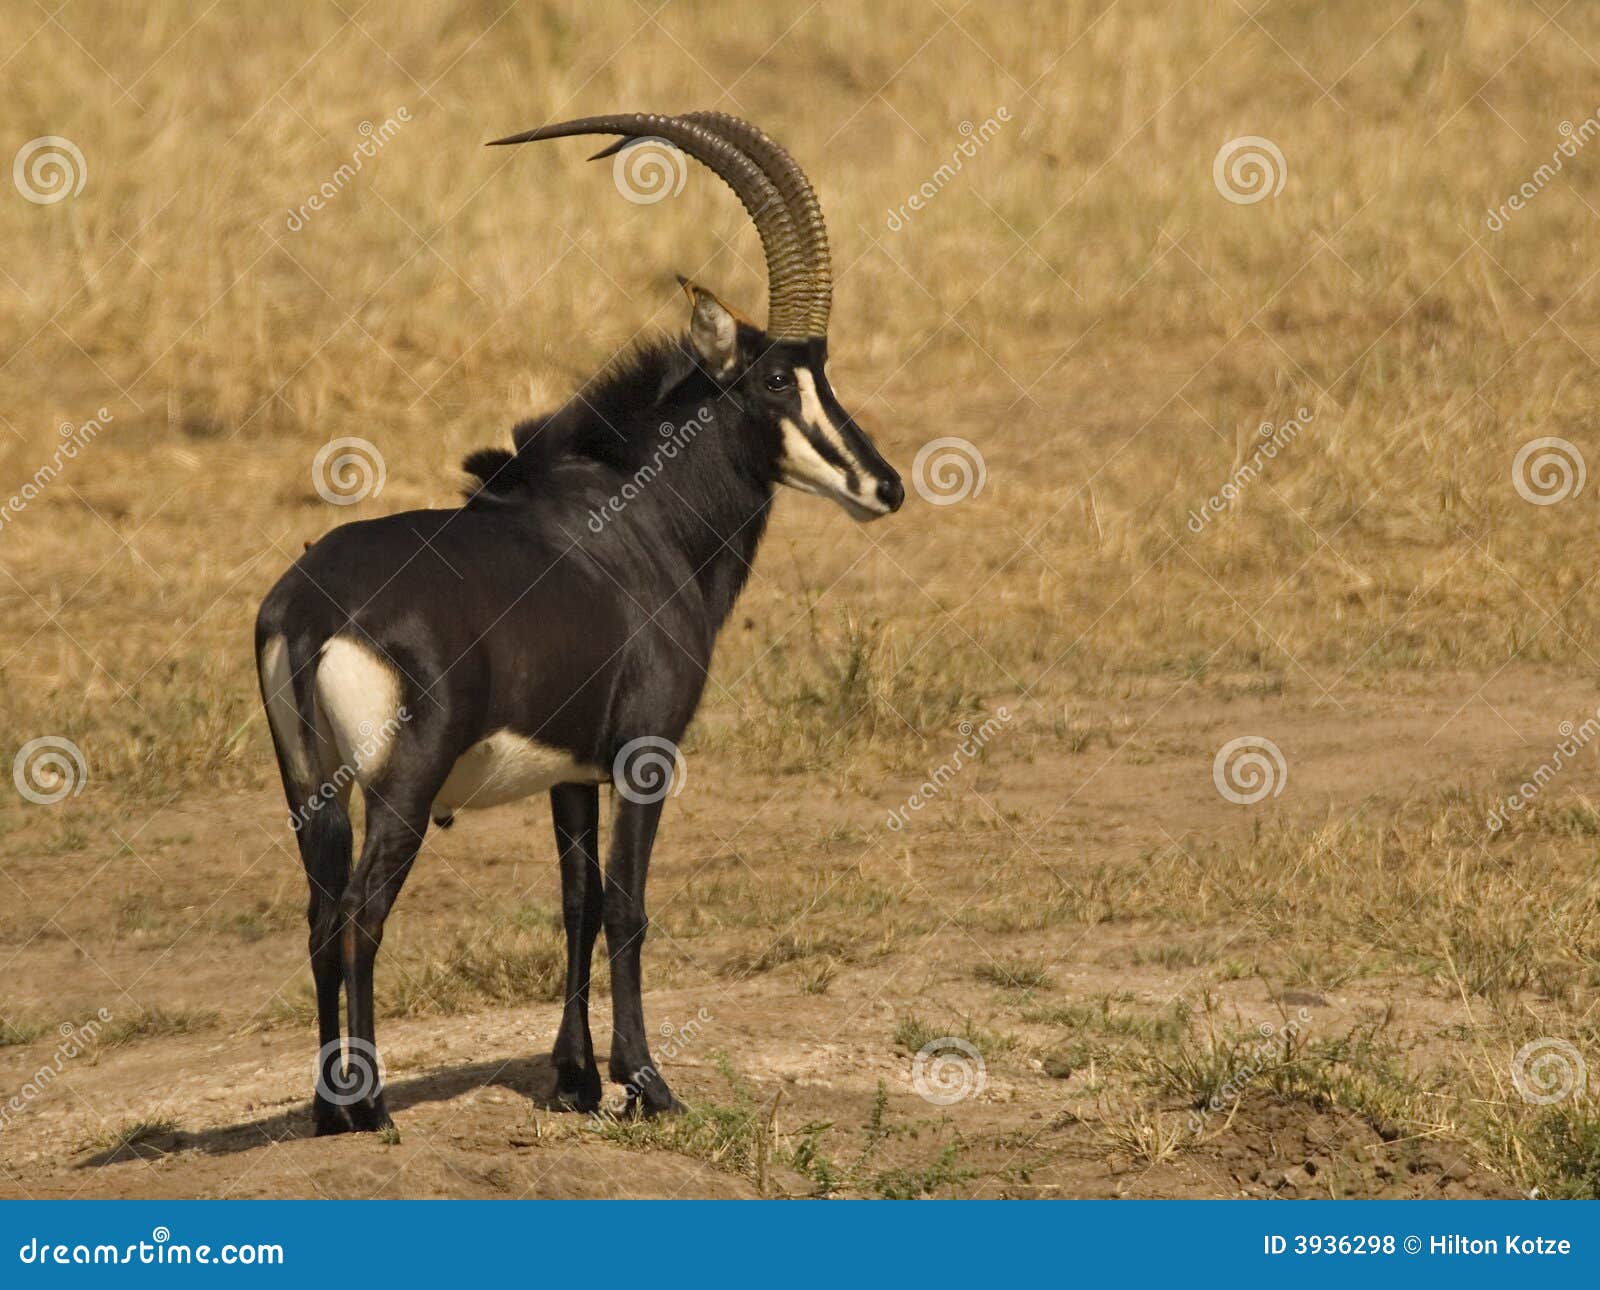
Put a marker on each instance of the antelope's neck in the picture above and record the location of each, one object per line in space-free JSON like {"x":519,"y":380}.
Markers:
{"x":708,"y":503}
{"x":727,"y":562}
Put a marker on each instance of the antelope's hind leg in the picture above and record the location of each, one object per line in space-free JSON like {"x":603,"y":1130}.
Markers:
{"x":320,"y":819}
{"x":575,"y":808}
{"x":394,"y":834}
{"x":325,"y":847}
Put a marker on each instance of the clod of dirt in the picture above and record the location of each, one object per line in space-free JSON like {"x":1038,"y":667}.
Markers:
{"x":1295,"y":1149}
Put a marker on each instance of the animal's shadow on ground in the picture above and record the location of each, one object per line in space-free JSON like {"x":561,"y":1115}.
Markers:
{"x":532,"y":1077}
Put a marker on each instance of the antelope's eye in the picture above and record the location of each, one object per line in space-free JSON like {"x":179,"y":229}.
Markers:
{"x":778,"y":382}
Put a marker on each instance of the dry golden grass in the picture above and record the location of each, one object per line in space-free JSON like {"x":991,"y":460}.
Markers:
{"x":1079,"y":302}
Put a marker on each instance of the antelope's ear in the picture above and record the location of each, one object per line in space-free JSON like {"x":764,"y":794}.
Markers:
{"x":713,"y":329}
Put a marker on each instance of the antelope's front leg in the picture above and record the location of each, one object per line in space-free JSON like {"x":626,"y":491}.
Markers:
{"x":632,"y":835}
{"x":575,"y":808}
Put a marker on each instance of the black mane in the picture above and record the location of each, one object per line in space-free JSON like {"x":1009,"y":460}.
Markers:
{"x":607,"y":422}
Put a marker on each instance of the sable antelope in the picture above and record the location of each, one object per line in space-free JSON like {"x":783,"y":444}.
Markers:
{"x":558,"y":623}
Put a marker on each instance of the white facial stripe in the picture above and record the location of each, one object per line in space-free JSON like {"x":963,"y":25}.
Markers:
{"x":804,"y":467}
{"x":812,"y":412}
{"x":807,"y":469}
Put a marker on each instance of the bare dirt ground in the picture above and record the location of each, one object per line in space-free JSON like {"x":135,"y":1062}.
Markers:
{"x":222,"y":1111}
{"x":1077,"y":967}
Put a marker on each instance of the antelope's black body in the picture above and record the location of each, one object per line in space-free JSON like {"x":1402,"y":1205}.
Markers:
{"x":560,"y":620}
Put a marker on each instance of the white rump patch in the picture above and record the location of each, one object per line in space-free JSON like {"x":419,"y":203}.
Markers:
{"x":358,"y":701}
{"x":507,"y":766}
{"x":282,"y":714}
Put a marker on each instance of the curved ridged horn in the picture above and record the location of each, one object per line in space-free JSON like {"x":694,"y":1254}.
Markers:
{"x":804,"y":208}
{"x":789,"y":299}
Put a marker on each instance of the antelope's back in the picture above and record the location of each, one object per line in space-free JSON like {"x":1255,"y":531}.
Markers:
{"x":486,"y":622}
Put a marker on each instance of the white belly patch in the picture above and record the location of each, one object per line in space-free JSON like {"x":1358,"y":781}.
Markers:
{"x":506,"y":766}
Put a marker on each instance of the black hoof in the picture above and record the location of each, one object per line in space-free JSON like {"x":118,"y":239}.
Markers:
{"x":369,"y":1117}
{"x":327,"y":1118}
{"x":654,"y":1101}
{"x":579,"y":1090}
